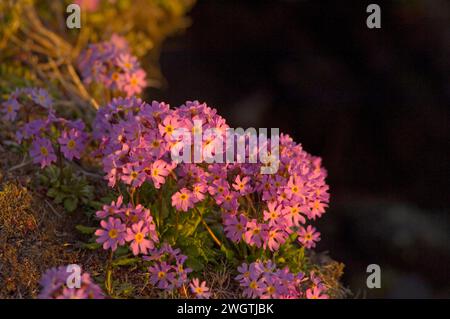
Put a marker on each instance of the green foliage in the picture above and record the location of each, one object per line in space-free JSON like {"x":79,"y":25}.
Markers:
{"x":292,"y":256}
{"x":66,"y":187}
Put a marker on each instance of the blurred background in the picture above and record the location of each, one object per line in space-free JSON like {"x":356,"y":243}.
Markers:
{"x":373,"y":103}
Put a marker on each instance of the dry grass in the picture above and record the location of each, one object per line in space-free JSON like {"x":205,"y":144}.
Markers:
{"x":30,"y":241}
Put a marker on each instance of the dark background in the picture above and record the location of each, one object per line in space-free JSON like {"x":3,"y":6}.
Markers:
{"x":373,"y":103}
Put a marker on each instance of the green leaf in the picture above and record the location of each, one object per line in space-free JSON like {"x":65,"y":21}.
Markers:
{"x":92,"y":246}
{"x":85,"y":229}
{"x":121,"y":251}
{"x":195,"y":264}
{"x":70,"y":204}
{"x":52,"y":192}
{"x":125,"y":262}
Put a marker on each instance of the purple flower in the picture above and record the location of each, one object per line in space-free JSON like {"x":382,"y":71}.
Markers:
{"x":41,"y":97}
{"x":200,"y":290}
{"x":235,"y":226}
{"x":11,"y":107}
{"x":112,"y":234}
{"x":111,"y":210}
{"x":133,"y":175}
{"x":162,"y":275}
{"x":254,"y":286}
{"x":72,"y":143}
{"x":42,"y":152}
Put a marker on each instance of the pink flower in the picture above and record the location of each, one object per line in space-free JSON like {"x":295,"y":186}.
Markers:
{"x":158,"y":173}
{"x":183,"y":200}
{"x":315,"y":293}
{"x":42,"y":152}
{"x":168,"y":126}
{"x":273,"y":214}
{"x":308,"y":237}
{"x":112,"y":234}
{"x":316,"y":209}
{"x":276,"y":238}
{"x":199,"y":289}
{"x":134,"y":83}
{"x":256,"y":233}
{"x":241,"y":185}
{"x":88,"y":5}
{"x":294,"y":187}
{"x":127,"y":62}
{"x":293,"y":215}
{"x":198,"y":191}
{"x":137,"y":235}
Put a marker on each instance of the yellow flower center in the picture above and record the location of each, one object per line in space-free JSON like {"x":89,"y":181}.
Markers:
{"x":161,"y":274}
{"x":134,"y":175}
{"x":316,"y":204}
{"x":138,"y":237}
{"x":44,"y":151}
{"x":71,"y":144}
{"x":253,"y":285}
{"x":271,"y":289}
{"x":183,"y":196}
{"x":113,"y":233}
{"x":198,"y":290}
{"x":155,"y":143}
{"x":134,"y":219}
{"x":169,"y":129}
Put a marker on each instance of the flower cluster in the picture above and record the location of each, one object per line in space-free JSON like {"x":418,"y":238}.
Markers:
{"x":55,"y":286}
{"x":262,"y":210}
{"x":167,"y":270}
{"x":264,"y":280}
{"x":42,"y":129}
{"x":132,"y":148}
{"x":122,"y":224}
{"x":111,"y":64}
